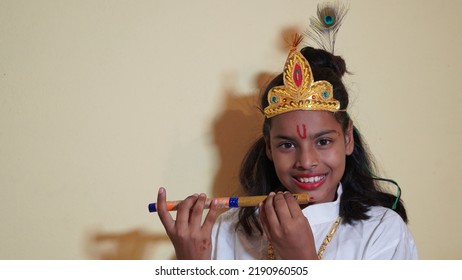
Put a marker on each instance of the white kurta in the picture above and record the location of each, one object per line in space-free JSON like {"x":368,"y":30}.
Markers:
{"x":383,"y":236}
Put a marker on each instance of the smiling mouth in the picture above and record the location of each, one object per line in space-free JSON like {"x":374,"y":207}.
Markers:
{"x":310,"y":180}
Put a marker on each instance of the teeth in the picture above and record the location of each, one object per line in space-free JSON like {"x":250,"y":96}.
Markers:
{"x":314,"y":179}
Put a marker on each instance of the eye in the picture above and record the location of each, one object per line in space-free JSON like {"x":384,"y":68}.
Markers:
{"x":324,"y":142}
{"x":286,"y":145}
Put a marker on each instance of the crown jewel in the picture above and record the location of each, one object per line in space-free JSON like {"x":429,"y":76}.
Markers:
{"x":300,"y":91}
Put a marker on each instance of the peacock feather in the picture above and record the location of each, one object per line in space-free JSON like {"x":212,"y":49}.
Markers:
{"x":323,"y":28}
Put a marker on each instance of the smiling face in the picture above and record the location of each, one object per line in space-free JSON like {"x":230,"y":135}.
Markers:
{"x":309,"y":149}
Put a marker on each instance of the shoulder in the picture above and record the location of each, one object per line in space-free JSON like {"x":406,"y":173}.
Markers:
{"x":386,"y":218}
{"x":380,"y":213}
{"x":383,"y":221}
{"x":387,"y":235}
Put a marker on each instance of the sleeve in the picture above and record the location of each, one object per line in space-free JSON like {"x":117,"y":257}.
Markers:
{"x":391,"y":240}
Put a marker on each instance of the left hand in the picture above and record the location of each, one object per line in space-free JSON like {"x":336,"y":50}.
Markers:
{"x":287,"y":228}
{"x":190,"y":237}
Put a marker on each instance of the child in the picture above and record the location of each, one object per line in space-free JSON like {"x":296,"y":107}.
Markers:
{"x":309,"y":144}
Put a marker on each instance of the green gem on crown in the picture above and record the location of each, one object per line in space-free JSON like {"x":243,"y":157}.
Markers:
{"x":325,"y":95}
{"x":274,"y":99}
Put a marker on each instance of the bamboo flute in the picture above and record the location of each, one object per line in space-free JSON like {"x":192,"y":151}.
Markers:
{"x":232,"y":202}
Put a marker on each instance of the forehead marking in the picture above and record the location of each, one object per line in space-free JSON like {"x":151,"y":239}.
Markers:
{"x":301,"y":134}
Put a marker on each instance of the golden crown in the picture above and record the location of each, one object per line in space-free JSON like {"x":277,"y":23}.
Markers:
{"x":300,"y":91}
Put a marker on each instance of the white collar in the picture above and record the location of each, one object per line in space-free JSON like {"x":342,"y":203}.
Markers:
{"x":324,"y":212}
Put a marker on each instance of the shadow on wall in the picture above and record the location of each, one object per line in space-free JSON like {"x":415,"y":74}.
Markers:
{"x":131,"y":245}
{"x":240,"y":126}
{"x":235,"y":130}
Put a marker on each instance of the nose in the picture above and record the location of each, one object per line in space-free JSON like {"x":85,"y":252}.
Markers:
{"x":307,"y":158}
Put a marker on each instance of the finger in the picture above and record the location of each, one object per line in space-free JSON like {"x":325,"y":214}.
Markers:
{"x":281,"y":208}
{"x":162,"y":211}
{"x":211,"y":216}
{"x":293,"y":206}
{"x":195,"y":217}
{"x":270,"y":213}
{"x":184,"y":210}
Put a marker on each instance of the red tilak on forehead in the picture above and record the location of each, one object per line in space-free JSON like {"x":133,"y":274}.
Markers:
{"x":302,"y":135}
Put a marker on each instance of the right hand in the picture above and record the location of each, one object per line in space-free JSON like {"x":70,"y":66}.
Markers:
{"x":190,"y":237}
{"x":287,"y":228}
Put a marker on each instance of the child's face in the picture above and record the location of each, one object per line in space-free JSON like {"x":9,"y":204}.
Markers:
{"x":308,"y":149}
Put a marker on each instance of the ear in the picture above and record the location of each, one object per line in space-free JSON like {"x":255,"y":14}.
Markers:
{"x":349,"y":139}
{"x":269,"y":153}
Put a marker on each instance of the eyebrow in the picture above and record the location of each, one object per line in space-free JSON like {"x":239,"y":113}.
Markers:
{"x":316,"y":135}
{"x":324,"y":132}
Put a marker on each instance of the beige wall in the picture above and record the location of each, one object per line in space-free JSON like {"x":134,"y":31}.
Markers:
{"x":101,"y":102}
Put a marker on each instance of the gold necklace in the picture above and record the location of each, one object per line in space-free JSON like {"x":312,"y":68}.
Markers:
{"x":324,"y":244}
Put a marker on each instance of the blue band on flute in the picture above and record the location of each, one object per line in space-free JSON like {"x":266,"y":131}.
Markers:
{"x":152,"y":207}
{"x":233,"y":202}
